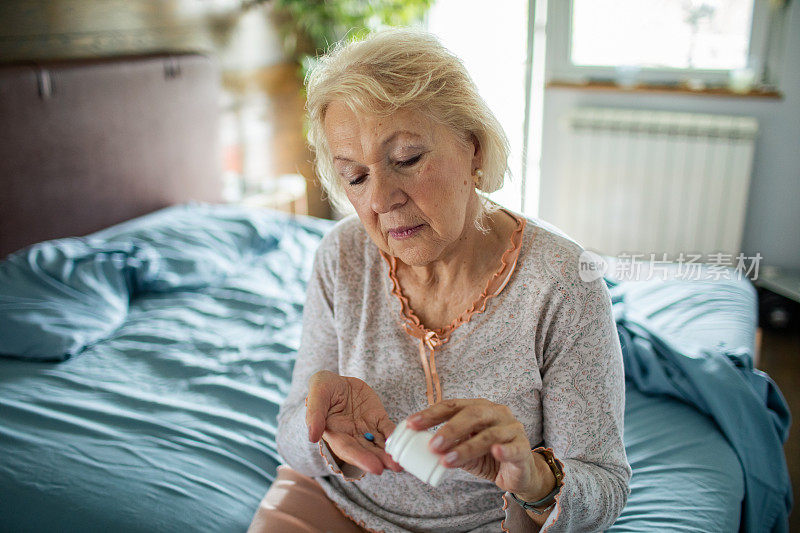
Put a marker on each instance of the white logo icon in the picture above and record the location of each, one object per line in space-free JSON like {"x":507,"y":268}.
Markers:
{"x":591,"y":266}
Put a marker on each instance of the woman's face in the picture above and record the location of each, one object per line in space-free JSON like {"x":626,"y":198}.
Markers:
{"x":409,"y":179}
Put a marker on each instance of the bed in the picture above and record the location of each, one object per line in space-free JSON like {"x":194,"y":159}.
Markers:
{"x":143,"y":364}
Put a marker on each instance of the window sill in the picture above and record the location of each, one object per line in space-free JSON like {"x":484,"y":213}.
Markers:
{"x":643,"y":88}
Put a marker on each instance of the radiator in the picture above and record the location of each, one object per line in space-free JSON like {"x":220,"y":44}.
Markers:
{"x":653,"y":182}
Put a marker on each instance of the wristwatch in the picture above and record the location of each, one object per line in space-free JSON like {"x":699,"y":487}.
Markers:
{"x":546,"y":503}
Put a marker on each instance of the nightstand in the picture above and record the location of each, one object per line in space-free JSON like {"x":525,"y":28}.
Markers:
{"x":779,"y":297}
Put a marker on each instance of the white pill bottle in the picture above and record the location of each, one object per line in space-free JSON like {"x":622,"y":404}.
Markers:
{"x":410,"y":448}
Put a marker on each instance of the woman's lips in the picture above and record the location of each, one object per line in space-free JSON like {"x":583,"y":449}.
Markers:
{"x":404,"y":232}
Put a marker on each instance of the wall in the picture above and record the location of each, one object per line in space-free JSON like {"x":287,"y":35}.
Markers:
{"x":262,"y":88}
{"x":772,"y":225}
{"x":31,"y":29}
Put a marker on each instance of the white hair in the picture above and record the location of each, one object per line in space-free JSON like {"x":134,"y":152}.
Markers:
{"x":402,"y":69}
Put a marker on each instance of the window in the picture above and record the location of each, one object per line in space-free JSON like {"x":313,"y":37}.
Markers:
{"x":493,"y":47}
{"x":656,"y":40}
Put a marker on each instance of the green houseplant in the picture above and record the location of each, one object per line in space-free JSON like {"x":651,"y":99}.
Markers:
{"x":309,"y":27}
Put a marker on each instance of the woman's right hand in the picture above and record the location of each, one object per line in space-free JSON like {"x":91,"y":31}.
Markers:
{"x":340,"y":410}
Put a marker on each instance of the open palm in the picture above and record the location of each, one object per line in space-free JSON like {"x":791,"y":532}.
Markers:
{"x":341,"y":410}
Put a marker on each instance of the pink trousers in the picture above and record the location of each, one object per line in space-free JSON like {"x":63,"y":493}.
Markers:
{"x":297,"y":503}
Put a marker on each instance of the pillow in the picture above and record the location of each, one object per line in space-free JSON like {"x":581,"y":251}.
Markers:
{"x":198,"y":245}
{"x":57,"y":297}
{"x":60,"y":296}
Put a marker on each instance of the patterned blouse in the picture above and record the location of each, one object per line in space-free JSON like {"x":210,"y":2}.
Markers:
{"x":539,"y":340}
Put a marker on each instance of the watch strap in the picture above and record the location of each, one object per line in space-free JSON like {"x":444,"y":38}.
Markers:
{"x":548,"y":501}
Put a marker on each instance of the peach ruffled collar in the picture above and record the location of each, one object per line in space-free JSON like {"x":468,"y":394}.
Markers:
{"x":430,"y":340}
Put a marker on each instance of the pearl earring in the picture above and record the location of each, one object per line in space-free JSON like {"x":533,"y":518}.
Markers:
{"x":478,"y":177}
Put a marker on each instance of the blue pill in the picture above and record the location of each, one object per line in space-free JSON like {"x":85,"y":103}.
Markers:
{"x":369,"y":436}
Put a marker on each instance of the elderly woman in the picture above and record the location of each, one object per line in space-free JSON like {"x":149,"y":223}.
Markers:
{"x":436,"y":305}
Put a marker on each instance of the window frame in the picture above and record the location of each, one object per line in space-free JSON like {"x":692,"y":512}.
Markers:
{"x":561,"y":68}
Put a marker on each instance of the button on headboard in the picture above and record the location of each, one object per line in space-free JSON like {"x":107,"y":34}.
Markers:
{"x":85,"y":144}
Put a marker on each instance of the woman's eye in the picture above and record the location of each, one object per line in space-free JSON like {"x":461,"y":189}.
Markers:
{"x":357,"y":180}
{"x":409,"y":162}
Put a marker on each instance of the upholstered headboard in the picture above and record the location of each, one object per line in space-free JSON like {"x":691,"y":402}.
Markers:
{"x":88,"y":143}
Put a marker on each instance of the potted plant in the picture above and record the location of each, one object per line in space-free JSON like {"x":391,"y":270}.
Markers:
{"x":309,"y":27}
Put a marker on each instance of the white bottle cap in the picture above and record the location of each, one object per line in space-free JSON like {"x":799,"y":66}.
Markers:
{"x":410,"y":449}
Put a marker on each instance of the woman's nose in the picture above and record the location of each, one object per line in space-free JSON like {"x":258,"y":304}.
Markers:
{"x":385,"y":195}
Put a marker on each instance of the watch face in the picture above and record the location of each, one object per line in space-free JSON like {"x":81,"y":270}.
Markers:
{"x":552,"y":462}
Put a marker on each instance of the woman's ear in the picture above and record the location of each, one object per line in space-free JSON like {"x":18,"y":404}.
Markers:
{"x":477,"y":154}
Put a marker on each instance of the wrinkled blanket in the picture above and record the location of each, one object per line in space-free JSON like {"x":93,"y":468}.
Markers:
{"x":744,"y":402}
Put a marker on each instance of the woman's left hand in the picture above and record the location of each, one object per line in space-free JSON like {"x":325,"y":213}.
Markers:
{"x":486,"y":440}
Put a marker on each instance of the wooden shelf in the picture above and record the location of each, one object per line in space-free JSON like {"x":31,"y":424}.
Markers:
{"x":663,"y":89}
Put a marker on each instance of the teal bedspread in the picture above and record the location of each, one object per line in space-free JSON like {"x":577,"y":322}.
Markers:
{"x":162,"y":349}
{"x":166,"y":421}
{"x":718,"y":380}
